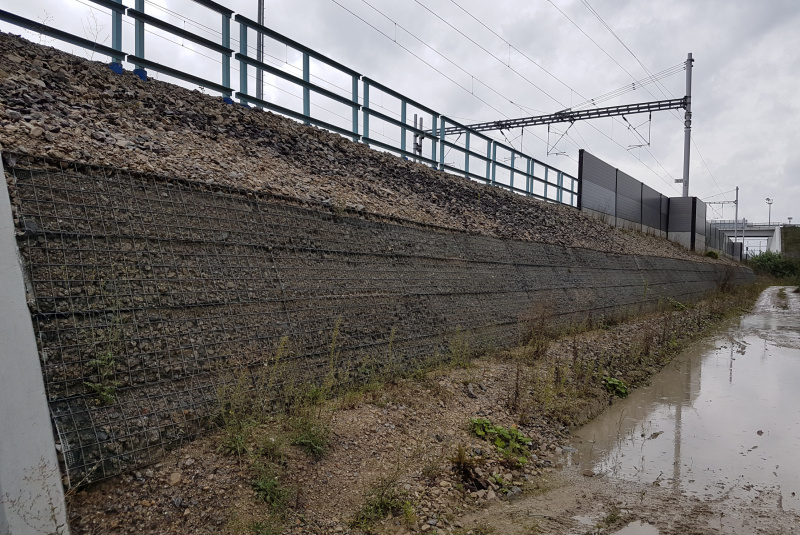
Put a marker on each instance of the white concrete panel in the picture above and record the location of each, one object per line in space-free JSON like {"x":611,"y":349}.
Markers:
{"x":31,"y":492}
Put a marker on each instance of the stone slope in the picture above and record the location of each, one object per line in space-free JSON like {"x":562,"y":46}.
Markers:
{"x":63,"y":106}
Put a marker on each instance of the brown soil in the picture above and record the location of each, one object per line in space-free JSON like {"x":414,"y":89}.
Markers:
{"x":406,"y":433}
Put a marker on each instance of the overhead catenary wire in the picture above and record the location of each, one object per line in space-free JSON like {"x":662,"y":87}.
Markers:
{"x":664,"y":91}
{"x":669,"y":184}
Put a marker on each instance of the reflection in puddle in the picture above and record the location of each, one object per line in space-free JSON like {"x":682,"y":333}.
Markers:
{"x":720,"y":422}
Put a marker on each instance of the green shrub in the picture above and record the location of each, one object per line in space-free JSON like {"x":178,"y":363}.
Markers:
{"x":713,"y":254}
{"x":775,"y":264}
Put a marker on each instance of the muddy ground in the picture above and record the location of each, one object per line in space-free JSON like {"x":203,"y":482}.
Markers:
{"x":403,"y":457}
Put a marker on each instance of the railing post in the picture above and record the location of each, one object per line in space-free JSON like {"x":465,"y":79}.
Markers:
{"x":442,"y":127}
{"x":489,"y":160}
{"x":116,"y":31}
{"x":466,"y":156}
{"x":355,"y":108}
{"x":138,"y":45}
{"x":494,"y":162}
{"x":528,"y":179}
{"x":365,"y":116}
{"x":403,"y":128}
{"x":242,"y":64}
{"x":560,"y":186}
{"x":434,"y":133}
{"x":306,"y":91}
{"x":513,"y":161}
{"x":226,"y":42}
{"x":546,"y":174}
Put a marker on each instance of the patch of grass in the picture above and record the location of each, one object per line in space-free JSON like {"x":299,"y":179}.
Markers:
{"x":310,"y":431}
{"x":382,"y":498}
{"x":266,"y":527}
{"x":269,"y":489}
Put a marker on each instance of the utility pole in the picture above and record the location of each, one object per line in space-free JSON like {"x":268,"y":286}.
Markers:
{"x":260,"y":53}
{"x":687,"y":128}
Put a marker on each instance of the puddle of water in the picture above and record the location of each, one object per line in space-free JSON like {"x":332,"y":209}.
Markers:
{"x":720,"y":422}
{"x":637,"y":528}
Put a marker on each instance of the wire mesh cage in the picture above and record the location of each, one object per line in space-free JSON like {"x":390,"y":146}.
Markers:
{"x":151,"y":295}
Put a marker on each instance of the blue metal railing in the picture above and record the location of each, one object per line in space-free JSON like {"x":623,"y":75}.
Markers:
{"x":500,"y":165}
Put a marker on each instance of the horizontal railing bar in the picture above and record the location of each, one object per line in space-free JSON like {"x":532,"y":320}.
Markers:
{"x":295,"y":115}
{"x":60,"y":35}
{"x":294,"y":44}
{"x":175,"y":73}
{"x":110,"y":4}
{"x":395,"y":94}
{"x":400,"y":151}
{"x":219,"y":8}
{"x":498,"y":184}
{"x":299,"y":81}
{"x":396,"y":122}
{"x":180,"y":32}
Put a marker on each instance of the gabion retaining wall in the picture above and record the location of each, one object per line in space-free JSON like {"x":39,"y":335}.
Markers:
{"x":148,"y":294}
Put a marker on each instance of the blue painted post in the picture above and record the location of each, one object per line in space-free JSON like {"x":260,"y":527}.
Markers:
{"x":441,"y":143}
{"x":355,"y":108}
{"x":513,"y":160}
{"x":494,"y":162}
{"x":560,"y":186}
{"x":434,"y":132}
{"x":366,"y":113}
{"x":138,"y":44}
{"x":403,"y":128}
{"x":242,"y":64}
{"x":226,"y":60}
{"x":306,"y":91}
{"x":466,"y":156}
{"x":116,"y":31}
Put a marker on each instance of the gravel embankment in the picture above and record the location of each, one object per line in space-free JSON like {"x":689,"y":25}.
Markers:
{"x":64,"y":106}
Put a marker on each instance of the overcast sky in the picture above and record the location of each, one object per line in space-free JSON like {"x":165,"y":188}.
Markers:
{"x":479,"y":61}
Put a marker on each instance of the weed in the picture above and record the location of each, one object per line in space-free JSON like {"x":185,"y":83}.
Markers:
{"x":713,"y":254}
{"x":616,"y":386}
{"x":268,"y":527}
{"x":104,"y":365}
{"x":381,"y":499}
{"x":272,"y":450}
{"x":511,"y":443}
{"x":432,"y":467}
{"x":268,"y":489}
{"x":464,"y":465}
{"x":677,"y":305}
{"x":459,"y":350}
{"x":310,"y":432}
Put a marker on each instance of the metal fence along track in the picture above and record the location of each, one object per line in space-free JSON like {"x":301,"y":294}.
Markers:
{"x":475,"y":156}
